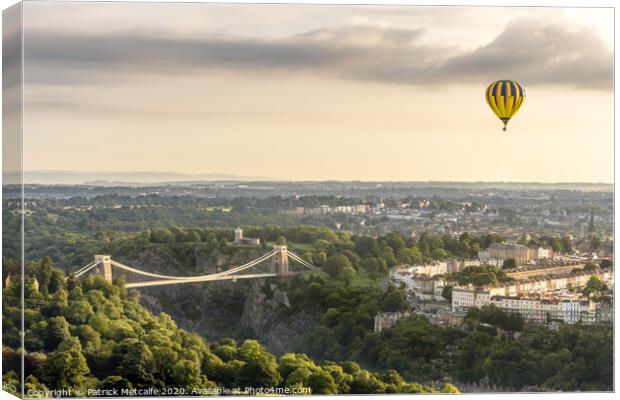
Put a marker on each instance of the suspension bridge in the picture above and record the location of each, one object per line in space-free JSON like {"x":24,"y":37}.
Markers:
{"x":278,"y":262}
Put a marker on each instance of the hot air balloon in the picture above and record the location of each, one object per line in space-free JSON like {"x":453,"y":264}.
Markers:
{"x":505,"y":98}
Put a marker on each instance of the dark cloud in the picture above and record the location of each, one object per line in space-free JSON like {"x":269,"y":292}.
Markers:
{"x":539,"y":53}
{"x":531,"y":51}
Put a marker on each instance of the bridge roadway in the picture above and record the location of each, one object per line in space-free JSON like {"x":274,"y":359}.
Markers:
{"x":205,"y":279}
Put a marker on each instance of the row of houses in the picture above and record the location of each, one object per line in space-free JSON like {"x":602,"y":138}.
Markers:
{"x":438,"y":268}
{"x":540,"y":311}
{"x":422,"y":280}
{"x":543,"y":310}
{"x":546,"y":309}
{"x":423,"y":286}
{"x":521,"y":297}
{"x":325,"y":209}
{"x":470,"y":296}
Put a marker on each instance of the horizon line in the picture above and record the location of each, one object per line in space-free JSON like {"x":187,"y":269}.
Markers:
{"x":236,"y":177}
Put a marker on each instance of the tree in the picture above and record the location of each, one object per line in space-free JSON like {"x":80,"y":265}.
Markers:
{"x":464,"y":249}
{"x":509,"y":263}
{"x":347,"y":275}
{"x":162,"y":236}
{"x":321,"y":382}
{"x":439,"y":254}
{"x":57,"y":332}
{"x":115,"y":382}
{"x":57,"y":281}
{"x":495,"y":316}
{"x":186,"y":373}
{"x":589,"y":267}
{"x":291,"y":361}
{"x":393,"y":380}
{"x":595,"y":243}
{"x":366,"y":246}
{"x":89,"y":338}
{"x":387,"y":254}
{"x":33,"y":386}
{"x":446,"y":292}
{"x":410,"y":255}
{"x":374,"y":267}
{"x":259,"y":369}
{"x":79,"y":312}
{"x":449,"y":388}
{"x":472,"y":354}
{"x":556,"y":245}
{"x":594,"y":285}
{"x":567,"y":244}
{"x":336,"y":265}
{"x":192,"y":236}
{"x":65,"y":367}
{"x":44,"y":274}
{"x":225,"y":352}
{"x":30,"y":289}
{"x":395,"y":240}
{"x":11,"y":383}
{"x":482,"y":279}
{"x":366,"y":383}
{"x":137,"y":362}
{"x":72,"y":282}
{"x":393,"y":300}
{"x":341,"y":378}
{"x":606,"y":263}
{"x":298,"y":378}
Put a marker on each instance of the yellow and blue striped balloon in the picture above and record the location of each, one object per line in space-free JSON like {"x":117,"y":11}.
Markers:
{"x":505,"y":98}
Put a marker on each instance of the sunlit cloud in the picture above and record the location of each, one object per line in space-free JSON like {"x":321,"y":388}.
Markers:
{"x":528,"y":50}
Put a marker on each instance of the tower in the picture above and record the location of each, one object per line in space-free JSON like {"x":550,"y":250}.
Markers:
{"x":238,"y":235}
{"x":106,"y":266}
{"x":591,"y":226}
{"x":279,"y":263}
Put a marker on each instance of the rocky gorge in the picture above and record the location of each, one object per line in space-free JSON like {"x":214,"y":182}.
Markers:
{"x":257,"y":309}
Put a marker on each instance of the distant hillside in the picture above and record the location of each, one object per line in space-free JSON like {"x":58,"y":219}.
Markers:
{"x":150,"y":178}
{"x":136,"y":178}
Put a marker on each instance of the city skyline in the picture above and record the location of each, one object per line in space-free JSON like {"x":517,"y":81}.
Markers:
{"x":344,"y":93}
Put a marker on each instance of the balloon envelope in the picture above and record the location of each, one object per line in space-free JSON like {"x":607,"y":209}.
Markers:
{"x":505,"y":97}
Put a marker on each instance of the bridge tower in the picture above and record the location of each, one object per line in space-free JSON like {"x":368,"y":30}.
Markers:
{"x":279,"y":263}
{"x":106,"y":266}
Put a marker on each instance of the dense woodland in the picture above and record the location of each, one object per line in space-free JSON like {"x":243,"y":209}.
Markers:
{"x":92,"y":334}
{"x":95,"y":335}
{"x":73,"y":238}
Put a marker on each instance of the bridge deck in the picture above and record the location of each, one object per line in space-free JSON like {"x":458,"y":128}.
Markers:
{"x":202,"y":279}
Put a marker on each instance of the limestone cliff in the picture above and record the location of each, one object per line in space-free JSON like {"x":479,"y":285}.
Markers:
{"x":265,"y":314}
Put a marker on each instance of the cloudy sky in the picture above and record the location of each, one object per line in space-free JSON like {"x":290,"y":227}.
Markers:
{"x":318,"y":92}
